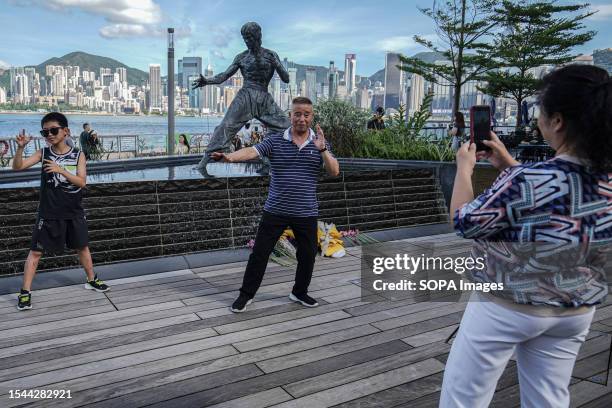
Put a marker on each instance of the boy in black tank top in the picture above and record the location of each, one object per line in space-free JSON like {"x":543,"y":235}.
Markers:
{"x":61,"y":218}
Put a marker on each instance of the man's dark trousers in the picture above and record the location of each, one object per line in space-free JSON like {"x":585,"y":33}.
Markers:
{"x":270,"y":229}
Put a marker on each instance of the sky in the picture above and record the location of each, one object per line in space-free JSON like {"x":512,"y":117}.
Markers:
{"x":307,"y":32}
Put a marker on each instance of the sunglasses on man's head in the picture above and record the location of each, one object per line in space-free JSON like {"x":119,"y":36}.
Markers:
{"x":51,"y":131}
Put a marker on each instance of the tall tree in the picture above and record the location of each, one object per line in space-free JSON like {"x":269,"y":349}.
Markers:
{"x":462,"y":27}
{"x":533,"y":34}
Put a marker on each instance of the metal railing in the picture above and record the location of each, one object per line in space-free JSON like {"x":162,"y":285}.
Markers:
{"x":112,"y":146}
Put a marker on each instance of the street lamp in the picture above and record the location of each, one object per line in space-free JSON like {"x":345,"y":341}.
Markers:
{"x":170,"y":91}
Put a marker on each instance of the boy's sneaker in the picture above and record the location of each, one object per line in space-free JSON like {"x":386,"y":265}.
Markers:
{"x":304,"y":299}
{"x":241,"y":303}
{"x":24,"y":300}
{"x":97,"y":284}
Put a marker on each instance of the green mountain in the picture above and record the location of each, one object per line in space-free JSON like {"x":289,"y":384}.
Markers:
{"x":90,"y":62}
{"x":87,"y":62}
{"x":603,"y":58}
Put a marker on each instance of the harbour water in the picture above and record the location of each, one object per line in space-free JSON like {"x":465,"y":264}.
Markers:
{"x":153,"y":129}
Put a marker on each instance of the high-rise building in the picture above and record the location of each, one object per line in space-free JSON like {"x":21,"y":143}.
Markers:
{"x":106,"y":79}
{"x":122,"y":74}
{"x":350,"y":66}
{"x":105,"y":71}
{"x":274,"y":87}
{"x":311,"y":84}
{"x":333,"y":80}
{"x":194,"y":94}
{"x":363,"y":98}
{"x":208,"y":102}
{"x":155,"y":84}
{"x":417,"y":92}
{"x":394,"y":82}
{"x":293,"y":82}
{"x":189,"y":66}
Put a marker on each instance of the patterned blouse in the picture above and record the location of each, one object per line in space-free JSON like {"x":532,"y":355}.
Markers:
{"x":545,"y":230}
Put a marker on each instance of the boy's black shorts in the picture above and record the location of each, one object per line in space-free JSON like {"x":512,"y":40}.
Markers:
{"x":51,"y":236}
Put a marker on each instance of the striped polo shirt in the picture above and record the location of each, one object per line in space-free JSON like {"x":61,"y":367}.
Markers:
{"x":294,"y":172}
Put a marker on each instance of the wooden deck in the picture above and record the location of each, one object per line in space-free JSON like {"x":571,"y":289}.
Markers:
{"x":169,"y":340}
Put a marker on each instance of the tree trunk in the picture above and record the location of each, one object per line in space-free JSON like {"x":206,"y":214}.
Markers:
{"x":459,"y":76}
{"x":519,"y":112}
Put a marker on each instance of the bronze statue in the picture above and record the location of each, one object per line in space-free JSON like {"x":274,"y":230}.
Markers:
{"x":257,"y":66}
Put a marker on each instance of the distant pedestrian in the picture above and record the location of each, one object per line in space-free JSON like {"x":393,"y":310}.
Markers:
{"x":377,"y":122}
{"x":89,"y":141}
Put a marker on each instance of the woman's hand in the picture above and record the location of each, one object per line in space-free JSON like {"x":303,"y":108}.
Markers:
{"x":498,"y":156}
{"x":466,"y":158}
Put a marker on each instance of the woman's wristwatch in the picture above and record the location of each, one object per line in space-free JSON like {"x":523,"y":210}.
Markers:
{"x":323,"y":150}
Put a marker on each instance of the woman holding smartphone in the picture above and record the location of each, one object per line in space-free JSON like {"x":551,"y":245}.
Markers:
{"x":565,"y":200}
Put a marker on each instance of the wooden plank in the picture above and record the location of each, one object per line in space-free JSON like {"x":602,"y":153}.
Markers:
{"x":31,"y":317}
{"x":284,"y":362}
{"x":417,"y":317}
{"x":94,"y":336}
{"x":277,"y":318}
{"x":144,"y":374}
{"x":87,"y":389}
{"x":150,"y":277}
{"x":403,"y":395}
{"x":261,"y":399}
{"x":63,"y":368}
{"x":166,"y":391}
{"x":364,"y":370}
{"x":430,"y":336}
{"x":256,"y":384}
{"x":23,"y":331}
{"x":13,"y":314}
{"x":346,"y":323}
{"x":360,"y":388}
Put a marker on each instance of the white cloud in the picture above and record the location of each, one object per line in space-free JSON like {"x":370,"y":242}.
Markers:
{"x":141,"y":30}
{"x":397,"y":43}
{"x":4,"y":65}
{"x":125,"y":18}
{"x":604,"y":12}
{"x":217,"y":54}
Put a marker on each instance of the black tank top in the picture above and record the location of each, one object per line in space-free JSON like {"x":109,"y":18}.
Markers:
{"x":59,"y":198}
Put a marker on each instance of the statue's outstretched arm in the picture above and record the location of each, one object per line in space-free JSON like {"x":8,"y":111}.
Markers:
{"x":219,"y":78}
{"x":224,"y":76}
{"x":278,"y":65}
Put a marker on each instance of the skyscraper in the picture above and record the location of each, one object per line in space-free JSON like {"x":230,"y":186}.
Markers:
{"x":104,"y":71}
{"x":311,"y":84}
{"x":208,"y":92}
{"x":350,"y":65}
{"x":293,"y":82}
{"x":155,"y":83}
{"x":417,"y":92}
{"x":191,"y":66}
{"x":275,"y":88}
{"x":122,"y":74}
{"x":333,"y":80}
{"x":394,"y":81}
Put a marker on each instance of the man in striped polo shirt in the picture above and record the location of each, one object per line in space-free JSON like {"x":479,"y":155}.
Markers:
{"x":295,"y":157}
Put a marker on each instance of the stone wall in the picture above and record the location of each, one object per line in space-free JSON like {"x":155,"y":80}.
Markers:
{"x":135,"y":220}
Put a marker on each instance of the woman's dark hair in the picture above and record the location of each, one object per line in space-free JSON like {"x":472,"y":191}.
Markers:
{"x":459,"y":119}
{"x":185,"y":141}
{"x":54,"y":117}
{"x":582,"y":95}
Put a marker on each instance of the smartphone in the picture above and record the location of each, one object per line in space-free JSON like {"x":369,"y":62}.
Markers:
{"x":22,"y":133}
{"x":480,"y":126}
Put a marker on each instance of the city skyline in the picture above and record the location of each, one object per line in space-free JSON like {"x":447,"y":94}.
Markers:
{"x":309,"y":37}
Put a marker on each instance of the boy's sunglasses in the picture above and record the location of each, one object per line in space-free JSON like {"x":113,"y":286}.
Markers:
{"x":53,"y":131}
